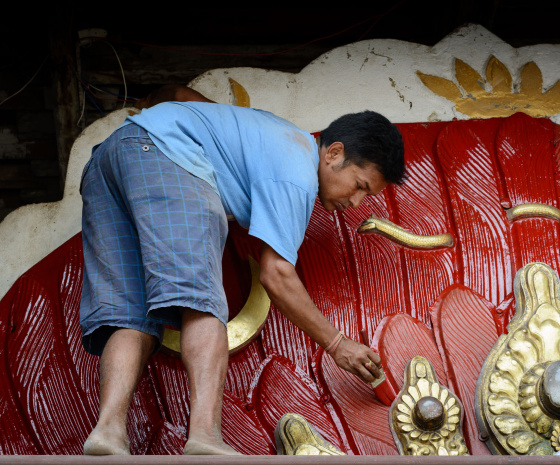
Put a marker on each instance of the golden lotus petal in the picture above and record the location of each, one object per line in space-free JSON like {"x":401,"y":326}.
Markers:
{"x":524,"y":349}
{"x":469,"y":79}
{"x":404,"y":418}
{"x":424,"y":386}
{"x":240,"y":95}
{"x":454,"y":410}
{"x":543,"y":424}
{"x":500,"y":404}
{"x":507,"y":400}
{"x":531,"y":378}
{"x":500,"y":384}
{"x":440,"y":86}
{"x":498,"y":76}
{"x":436,"y":390}
{"x":554,"y":92}
{"x":531,"y":80}
{"x":421,"y":370}
{"x":522,"y":442}
{"x":443,"y":396}
{"x":409,"y":401}
{"x":527,"y":390}
{"x":533,"y":413}
{"x":508,"y":424}
{"x":507,"y":362}
{"x":414,"y":434}
{"x":414,"y":393}
{"x":407,"y":427}
{"x":425,"y":437}
{"x":401,"y":406}
{"x":453,"y":419}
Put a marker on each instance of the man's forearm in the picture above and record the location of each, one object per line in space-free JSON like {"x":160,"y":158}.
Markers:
{"x":289,"y":296}
{"x":287,"y":293}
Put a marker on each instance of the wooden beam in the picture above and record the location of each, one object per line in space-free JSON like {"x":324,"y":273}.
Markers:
{"x":65,"y":84}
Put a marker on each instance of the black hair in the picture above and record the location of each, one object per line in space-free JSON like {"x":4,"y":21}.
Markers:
{"x":369,"y":137}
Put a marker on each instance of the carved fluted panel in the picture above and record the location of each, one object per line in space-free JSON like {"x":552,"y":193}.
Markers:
{"x":467,"y":157}
{"x":422,"y":206}
{"x":465,"y":331}
{"x":365,"y":416}
{"x":526,"y":153}
{"x":447,"y":304}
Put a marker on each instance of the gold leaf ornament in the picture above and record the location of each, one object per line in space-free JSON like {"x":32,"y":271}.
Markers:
{"x":518,"y":390}
{"x":425,"y":418}
{"x":494,"y":96}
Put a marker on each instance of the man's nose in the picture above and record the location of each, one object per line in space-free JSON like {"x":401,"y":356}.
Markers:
{"x":357,"y":198}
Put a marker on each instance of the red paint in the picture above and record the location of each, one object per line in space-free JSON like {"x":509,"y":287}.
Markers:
{"x":448,"y":304}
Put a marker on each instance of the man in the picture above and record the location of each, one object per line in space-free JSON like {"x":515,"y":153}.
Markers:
{"x":156,"y":194}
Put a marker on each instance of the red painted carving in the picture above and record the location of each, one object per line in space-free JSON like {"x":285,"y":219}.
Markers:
{"x":448,"y":305}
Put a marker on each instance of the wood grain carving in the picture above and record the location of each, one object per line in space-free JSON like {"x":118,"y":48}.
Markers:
{"x":446,"y":304}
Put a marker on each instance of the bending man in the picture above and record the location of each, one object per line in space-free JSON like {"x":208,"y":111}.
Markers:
{"x":156,"y":194}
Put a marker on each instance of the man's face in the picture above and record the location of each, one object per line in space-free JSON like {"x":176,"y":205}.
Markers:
{"x":345,"y":186}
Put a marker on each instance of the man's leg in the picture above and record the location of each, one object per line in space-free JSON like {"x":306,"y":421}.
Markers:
{"x":204,"y":351}
{"x":120,"y":368}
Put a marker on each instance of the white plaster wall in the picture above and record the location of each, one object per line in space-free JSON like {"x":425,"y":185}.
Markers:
{"x":379,"y":75}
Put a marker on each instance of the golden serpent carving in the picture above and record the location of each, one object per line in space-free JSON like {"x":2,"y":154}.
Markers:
{"x":245,"y":326}
{"x":399,"y":235}
{"x":425,"y":418}
{"x":517,"y":403}
{"x":530,"y":210}
{"x":295,"y":436}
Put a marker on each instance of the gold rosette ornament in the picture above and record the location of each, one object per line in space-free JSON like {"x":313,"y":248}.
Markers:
{"x":518,"y":390}
{"x":425,"y":418}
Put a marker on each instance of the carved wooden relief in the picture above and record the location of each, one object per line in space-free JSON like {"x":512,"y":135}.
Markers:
{"x":426,"y":417}
{"x":481,"y":182}
{"x":518,"y":393}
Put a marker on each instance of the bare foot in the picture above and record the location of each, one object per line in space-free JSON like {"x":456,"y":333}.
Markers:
{"x":199,"y":447}
{"x":102,"y":442}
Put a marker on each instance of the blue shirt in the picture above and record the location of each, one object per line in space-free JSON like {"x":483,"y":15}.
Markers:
{"x":263,"y":167}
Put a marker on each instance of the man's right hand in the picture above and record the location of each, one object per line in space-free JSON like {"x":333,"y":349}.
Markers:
{"x":288,"y":295}
{"x":357,"y":359}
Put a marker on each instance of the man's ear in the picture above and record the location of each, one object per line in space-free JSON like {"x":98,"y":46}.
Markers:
{"x":335,"y":153}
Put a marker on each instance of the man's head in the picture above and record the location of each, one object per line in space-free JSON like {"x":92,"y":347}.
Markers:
{"x":359,"y":154}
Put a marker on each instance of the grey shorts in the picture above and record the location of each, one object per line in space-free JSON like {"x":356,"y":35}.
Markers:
{"x":153,"y":238}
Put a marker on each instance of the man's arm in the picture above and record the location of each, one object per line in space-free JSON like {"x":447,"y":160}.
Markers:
{"x":171,"y":93}
{"x":287,"y":293}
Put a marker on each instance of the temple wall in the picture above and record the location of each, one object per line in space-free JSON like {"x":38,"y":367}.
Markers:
{"x":403,"y":81}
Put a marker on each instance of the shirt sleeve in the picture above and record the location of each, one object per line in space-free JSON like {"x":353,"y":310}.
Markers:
{"x":280,"y":213}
